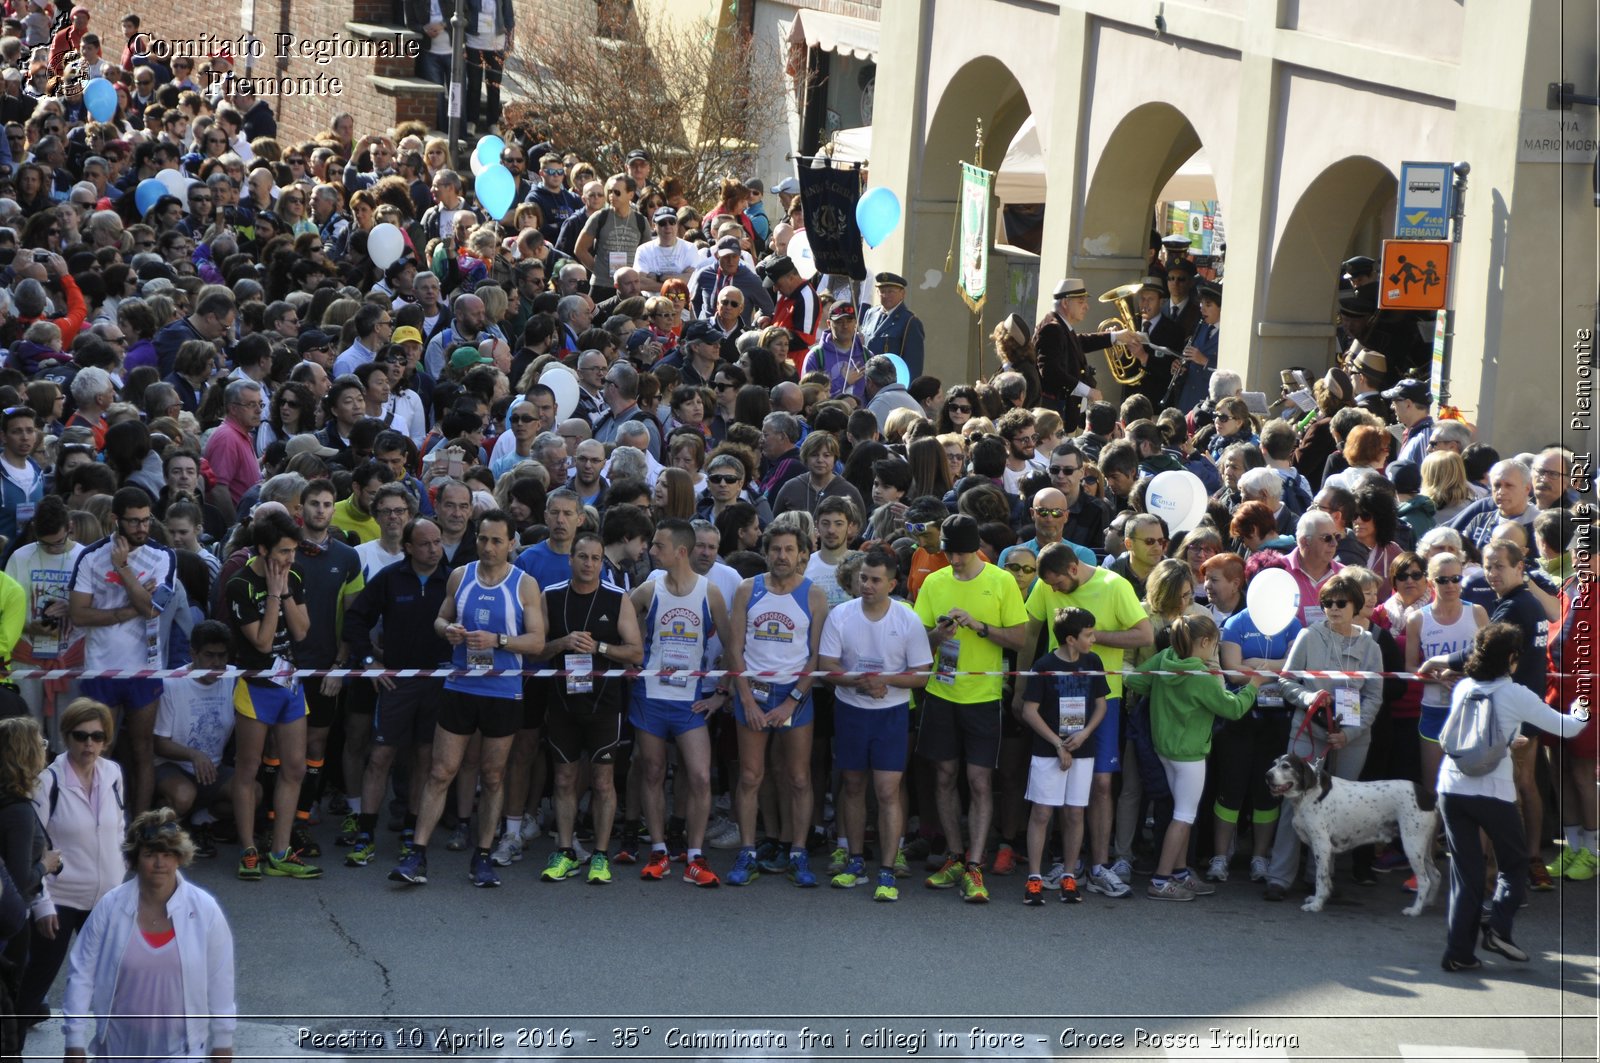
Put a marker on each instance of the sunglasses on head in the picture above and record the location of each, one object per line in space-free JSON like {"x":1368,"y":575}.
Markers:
{"x":154,"y":832}
{"x":87,"y":736}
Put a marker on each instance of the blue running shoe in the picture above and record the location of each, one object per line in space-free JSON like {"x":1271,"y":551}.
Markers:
{"x":412,"y":869}
{"x":745,"y":869}
{"x":800,"y":869}
{"x":482,"y":874}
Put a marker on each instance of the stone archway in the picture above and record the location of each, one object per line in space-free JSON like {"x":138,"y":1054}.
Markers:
{"x":1347,"y":210}
{"x":983,"y":89}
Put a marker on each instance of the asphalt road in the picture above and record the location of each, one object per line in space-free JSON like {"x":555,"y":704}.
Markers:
{"x":355,"y":953}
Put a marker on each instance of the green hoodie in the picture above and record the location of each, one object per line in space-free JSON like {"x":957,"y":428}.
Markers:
{"x":1182,"y":706}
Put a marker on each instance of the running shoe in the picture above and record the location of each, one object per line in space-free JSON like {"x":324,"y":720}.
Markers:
{"x":250,"y":865}
{"x":745,"y":869}
{"x":1170,"y":890}
{"x":1217,"y":870}
{"x":838,"y":859}
{"x":658,"y":866}
{"x":1033,"y":892}
{"x":1392,"y":858}
{"x":289,"y":865}
{"x":338,"y":804}
{"x":699,"y":873}
{"x":408,"y":838}
{"x":772,"y":856}
{"x":1584,"y":867}
{"x":205,"y":846}
{"x":457,"y":841}
{"x":562,"y":864}
{"x":973,"y":891}
{"x":1053,"y":877}
{"x":722,"y":833}
{"x":1258,"y":868}
{"x":852,"y":875}
{"x":887,"y":891}
{"x":677,"y":846}
{"x":950,"y":874}
{"x":1539,"y":879}
{"x":509,"y":851}
{"x":482,"y":874}
{"x":364,"y":853}
{"x":1069,"y":890}
{"x":1503,"y":945}
{"x":599,"y":870}
{"x":1005,"y":860}
{"x":1564,"y":861}
{"x":301,"y":841}
{"x":800,"y":872}
{"x":916,"y":848}
{"x":902,"y":866}
{"x":349,"y":832}
{"x":412,"y":869}
{"x":628,"y":846}
{"x":1109,"y":883}
{"x":1196,"y":885}
{"x":1123,"y":870}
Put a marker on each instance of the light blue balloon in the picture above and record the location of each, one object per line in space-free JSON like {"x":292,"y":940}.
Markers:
{"x":488,"y":150}
{"x":100,"y":97}
{"x":877,"y":215}
{"x":495,"y":189}
{"x":902,"y":371}
{"x":145,"y":196}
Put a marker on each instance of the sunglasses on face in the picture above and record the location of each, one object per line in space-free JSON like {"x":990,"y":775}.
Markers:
{"x":1091,"y":481}
{"x":1406,"y":577}
{"x":1052,"y":512}
{"x":1447,"y":579}
{"x":523,"y":420}
{"x":1326,"y":538}
{"x":1015,"y":568}
{"x":1335,"y":603}
{"x":960,"y":407}
{"x":1152,"y":542}
{"x":723,"y":480}
{"x":917,"y":527}
{"x":1064,"y":470}
{"x":87,"y":736}
{"x":722,"y":385}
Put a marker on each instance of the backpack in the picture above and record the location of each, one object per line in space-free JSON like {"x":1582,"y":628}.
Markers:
{"x":1471,"y":735}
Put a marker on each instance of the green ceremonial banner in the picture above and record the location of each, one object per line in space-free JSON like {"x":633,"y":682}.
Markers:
{"x":974,"y":270}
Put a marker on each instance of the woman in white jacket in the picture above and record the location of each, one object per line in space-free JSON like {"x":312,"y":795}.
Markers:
{"x":79,"y":799}
{"x":152,"y":972}
{"x":1470,"y":803}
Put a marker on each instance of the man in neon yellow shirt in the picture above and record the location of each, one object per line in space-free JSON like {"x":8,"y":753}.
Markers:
{"x":973,"y":612}
{"x":1120,"y":624}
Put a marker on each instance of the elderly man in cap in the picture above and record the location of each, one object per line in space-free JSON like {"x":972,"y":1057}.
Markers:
{"x":726,"y":268}
{"x":1411,"y":400}
{"x":841,"y":354}
{"x":891,"y":327}
{"x":666,"y":257}
{"x":1369,"y":371}
{"x":1066,"y":378}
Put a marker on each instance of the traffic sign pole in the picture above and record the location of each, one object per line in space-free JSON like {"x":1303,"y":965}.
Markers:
{"x":1458,"y":210}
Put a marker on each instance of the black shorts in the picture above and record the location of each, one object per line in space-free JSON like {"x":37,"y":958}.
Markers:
{"x":537,"y":694}
{"x":205,"y":796}
{"x":360,"y":697}
{"x":321,"y":710}
{"x":465,"y":714}
{"x":948,"y":730}
{"x":407,"y":714}
{"x":572,"y":734}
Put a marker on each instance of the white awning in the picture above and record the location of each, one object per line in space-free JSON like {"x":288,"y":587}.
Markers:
{"x":840,"y":34}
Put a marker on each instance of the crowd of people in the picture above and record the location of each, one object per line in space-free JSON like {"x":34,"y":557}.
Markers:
{"x":611,"y":430}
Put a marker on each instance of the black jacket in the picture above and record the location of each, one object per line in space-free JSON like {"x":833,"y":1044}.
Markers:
{"x":407,"y":607}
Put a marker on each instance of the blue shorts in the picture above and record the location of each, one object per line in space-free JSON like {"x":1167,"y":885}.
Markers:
{"x":269,"y":703}
{"x":804,"y":713}
{"x":664,"y":719}
{"x":869,"y":739}
{"x":131,"y":695}
{"x":1431,"y":723}
{"x":1107,"y":740}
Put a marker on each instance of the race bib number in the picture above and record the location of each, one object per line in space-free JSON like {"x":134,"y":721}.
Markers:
{"x":1314,"y":615}
{"x":1074,"y":716}
{"x":945,"y":663}
{"x":581,"y":667}
{"x":152,"y":641}
{"x":868,"y":664}
{"x":677,"y":659}
{"x":480,"y":658}
{"x":1270,"y":696}
{"x":616,"y":260}
{"x":761,"y":691}
{"x":25,"y":513}
{"x":1347,"y":707}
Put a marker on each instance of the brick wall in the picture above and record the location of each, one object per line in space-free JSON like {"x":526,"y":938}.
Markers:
{"x":309,"y":20}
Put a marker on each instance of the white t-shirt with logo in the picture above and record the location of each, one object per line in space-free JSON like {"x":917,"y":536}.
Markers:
{"x":46,"y":577}
{"x":896,"y":643}
{"x":128,"y":644}
{"x":195,"y":714}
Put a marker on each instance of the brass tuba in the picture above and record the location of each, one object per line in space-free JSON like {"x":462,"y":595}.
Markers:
{"x":1125,"y":368}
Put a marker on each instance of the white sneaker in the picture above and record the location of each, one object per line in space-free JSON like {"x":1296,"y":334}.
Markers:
{"x":532,"y":827}
{"x":580,"y":852}
{"x":1122,"y":869}
{"x":1218,"y":869}
{"x":509,"y":851}
{"x":1258,"y":869}
{"x":1053,"y":877}
{"x":722,"y":833}
{"x":1110,"y":883}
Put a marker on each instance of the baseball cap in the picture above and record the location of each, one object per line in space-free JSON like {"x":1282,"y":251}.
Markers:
{"x":312,"y":338}
{"x":703,"y":332}
{"x":664,"y":214}
{"x":406,"y":334}
{"x":786,"y":186}
{"x":637,"y":154}
{"x":729,"y":245}
{"x":842,"y":310}
{"x":306,"y":443}
{"x":465,"y":357}
{"x":1411,"y":388}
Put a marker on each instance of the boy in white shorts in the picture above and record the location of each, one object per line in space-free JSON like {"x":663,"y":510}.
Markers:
{"x":1063,"y":703}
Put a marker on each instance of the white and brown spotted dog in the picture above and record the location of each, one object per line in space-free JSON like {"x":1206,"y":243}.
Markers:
{"x":1334,"y":815}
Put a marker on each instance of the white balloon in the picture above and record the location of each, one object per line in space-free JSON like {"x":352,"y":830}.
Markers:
{"x":174,"y":180}
{"x":477,"y":166}
{"x":564,"y":382}
{"x":1272,"y":600}
{"x":385,"y":244}
{"x":1177,"y":497}
{"x":800,"y":254}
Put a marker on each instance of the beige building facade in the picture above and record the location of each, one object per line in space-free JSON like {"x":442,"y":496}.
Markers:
{"x":1306,"y":111}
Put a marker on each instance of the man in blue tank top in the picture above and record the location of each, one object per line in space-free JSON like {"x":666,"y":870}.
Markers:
{"x":492,"y":615}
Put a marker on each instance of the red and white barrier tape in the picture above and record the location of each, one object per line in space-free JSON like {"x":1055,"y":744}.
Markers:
{"x":641,"y":673}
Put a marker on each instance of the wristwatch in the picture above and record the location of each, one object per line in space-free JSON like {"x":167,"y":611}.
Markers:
{"x":504,"y":638}
{"x":600,"y":648}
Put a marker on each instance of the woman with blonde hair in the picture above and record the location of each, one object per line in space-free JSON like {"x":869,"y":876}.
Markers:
{"x":24,"y":845}
{"x":954,"y":445}
{"x":1052,"y":431}
{"x":1444,"y":481}
{"x":898,"y":424}
{"x":1013,"y":346}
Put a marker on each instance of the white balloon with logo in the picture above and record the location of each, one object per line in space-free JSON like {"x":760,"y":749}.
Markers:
{"x":1177,"y":497}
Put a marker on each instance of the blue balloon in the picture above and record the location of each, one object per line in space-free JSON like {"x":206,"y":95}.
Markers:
{"x":488,"y":150}
{"x":902,"y":371}
{"x":100,"y":97}
{"x":877,"y":214}
{"x":145,"y":196}
{"x":495,"y":189}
